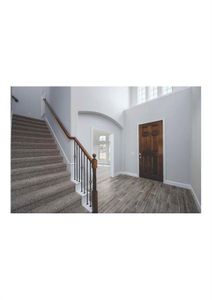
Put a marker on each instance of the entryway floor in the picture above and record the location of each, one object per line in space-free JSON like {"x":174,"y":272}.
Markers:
{"x":127,"y":194}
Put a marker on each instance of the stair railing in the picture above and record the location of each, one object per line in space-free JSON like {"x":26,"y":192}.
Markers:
{"x":85,"y":166}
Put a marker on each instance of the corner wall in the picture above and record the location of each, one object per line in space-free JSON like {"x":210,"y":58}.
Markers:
{"x":196,"y":142}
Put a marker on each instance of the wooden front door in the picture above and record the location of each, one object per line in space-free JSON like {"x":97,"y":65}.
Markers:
{"x":151,"y":150}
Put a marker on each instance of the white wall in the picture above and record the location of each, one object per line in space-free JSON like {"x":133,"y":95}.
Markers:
{"x":175,"y":109}
{"x":196,"y":142}
{"x":89,"y":121}
{"x":111,"y":101}
{"x":60,"y":100}
{"x":29,"y":104}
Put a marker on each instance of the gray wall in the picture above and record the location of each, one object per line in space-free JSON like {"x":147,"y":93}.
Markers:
{"x":30,"y":98}
{"x":60,"y":100}
{"x":196,"y":142}
{"x":175,"y":110}
{"x":111,"y":101}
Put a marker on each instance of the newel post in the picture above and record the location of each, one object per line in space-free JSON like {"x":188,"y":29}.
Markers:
{"x":94,"y":190}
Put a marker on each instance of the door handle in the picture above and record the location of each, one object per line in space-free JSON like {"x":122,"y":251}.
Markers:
{"x":139,"y":155}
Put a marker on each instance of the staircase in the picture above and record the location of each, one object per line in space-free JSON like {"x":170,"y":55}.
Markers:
{"x":40,"y":182}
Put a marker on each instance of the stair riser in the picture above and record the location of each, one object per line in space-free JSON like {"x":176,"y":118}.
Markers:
{"x":24,"y":208}
{"x":37,"y":173}
{"x":30,"y":134}
{"x":15,"y":146}
{"x":32,"y":188}
{"x":36,"y":140}
{"x":25,"y":164}
{"x":31,"y":129}
{"x":19,"y":154}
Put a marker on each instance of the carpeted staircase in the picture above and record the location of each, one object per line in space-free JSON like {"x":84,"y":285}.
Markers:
{"x":40,"y":182}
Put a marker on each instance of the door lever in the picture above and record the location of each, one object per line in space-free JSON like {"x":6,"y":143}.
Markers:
{"x":139,"y":155}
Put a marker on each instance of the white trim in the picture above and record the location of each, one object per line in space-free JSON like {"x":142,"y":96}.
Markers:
{"x":83,"y":195}
{"x":196,"y":198}
{"x":126,"y":173}
{"x":186,"y":186}
{"x":82,"y":112}
{"x":164,"y":145}
{"x":118,"y":173}
{"x":178,"y":184}
{"x":129,"y":174}
{"x":173,"y":183}
{"x":56,"y":139}
{"x":42,"y":107}
{"x":111,"y":138}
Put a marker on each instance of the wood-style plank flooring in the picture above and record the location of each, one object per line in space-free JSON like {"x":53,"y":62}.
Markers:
{"x":126,"y":194}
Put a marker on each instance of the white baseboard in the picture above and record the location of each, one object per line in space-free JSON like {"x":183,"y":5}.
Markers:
{"x":196,"y":199}
{"x":126,"y":173}
{"x":177,"y":184}
{"x":185,"y":186}
{"x":59,"y":145}
{"x":170,"y":182}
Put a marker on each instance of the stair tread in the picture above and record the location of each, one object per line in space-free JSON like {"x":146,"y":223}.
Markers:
{"x":34,"y":150}
{"x":23,"y":145}
{"x":33,"y":171}
{"x":24,"y":162}
{"x":24,"y":153}
{"x":18,"y":184}
{"x":70,"y":202}
{"x":30,"y":128}
{"x":41,"y":194}
{"x":20,"y":117}
{"x":36,"y":158}
{"x":36,"y":139}
{"x":35,"y":168}
{"x":34,"y":133}
{"x":28,"y":123}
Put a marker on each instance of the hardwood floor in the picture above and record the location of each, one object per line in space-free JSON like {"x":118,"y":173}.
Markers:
{"x":126,"y":194}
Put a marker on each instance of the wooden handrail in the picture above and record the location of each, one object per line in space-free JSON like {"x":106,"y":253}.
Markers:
{"x":14,"y":98}
{"x":68,"y":135}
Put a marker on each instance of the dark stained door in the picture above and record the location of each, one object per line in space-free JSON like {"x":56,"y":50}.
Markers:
{"x":151,"y":150}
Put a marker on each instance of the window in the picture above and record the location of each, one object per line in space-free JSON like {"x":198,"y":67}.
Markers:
{"x":103,"y":152}
{"x":141,"y":94}
{"x":153,"y":92}
{"x":166,"y":90}
{"x":145,"y":94}
{"x":102,"y":138}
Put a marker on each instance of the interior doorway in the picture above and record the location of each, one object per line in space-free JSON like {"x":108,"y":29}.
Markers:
{"x":151,"y":150}
{"x":103,"y":146}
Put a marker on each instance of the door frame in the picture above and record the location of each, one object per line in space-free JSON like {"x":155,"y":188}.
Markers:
{"x":111,"y":135}
{"x":164,"y":144}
